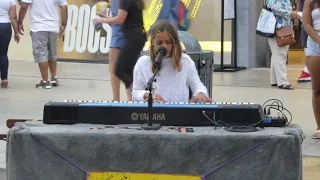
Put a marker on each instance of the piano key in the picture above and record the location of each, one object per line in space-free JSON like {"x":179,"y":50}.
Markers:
{"x":180,"y":103}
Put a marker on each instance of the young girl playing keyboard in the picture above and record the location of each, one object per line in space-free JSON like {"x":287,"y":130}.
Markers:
{"x":178,"y":72}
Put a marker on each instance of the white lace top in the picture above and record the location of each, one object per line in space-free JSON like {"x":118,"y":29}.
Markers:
{"x":170,"y":84}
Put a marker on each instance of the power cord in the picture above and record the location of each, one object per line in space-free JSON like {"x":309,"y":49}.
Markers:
{"x":233,"y":128}
{"x":267,"y":121}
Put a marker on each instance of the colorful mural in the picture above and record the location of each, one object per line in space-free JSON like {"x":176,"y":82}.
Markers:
{"x":81,"y":41}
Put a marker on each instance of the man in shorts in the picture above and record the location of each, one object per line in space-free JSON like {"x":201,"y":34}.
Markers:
{"x":45,"y":28}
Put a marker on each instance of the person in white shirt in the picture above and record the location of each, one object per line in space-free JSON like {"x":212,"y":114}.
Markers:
{"x":45,"y":28}
{"x":8,"y":18}
{"x":178,"y":72}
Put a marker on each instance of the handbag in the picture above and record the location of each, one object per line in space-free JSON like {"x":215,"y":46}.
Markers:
{"x":285,"y":36}
{"x":267,"y":23}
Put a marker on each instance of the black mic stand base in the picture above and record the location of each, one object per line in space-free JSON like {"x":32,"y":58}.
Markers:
{"x":151,"y":127}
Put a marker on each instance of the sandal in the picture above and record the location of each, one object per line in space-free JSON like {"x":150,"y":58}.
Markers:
{"x":4,"y":83}
{"x":316,"y":135}
{"x":287,"y":87}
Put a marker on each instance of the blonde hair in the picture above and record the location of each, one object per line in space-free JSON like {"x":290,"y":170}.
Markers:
{"x":166,"y":26}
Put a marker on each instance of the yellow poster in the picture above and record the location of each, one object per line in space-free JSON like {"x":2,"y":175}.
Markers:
{"x":137,"y":176}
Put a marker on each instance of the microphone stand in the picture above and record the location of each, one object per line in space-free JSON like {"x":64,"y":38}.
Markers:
{"x":151,"y":126}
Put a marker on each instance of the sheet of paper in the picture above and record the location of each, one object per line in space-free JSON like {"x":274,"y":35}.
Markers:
{"x":229,"y":9}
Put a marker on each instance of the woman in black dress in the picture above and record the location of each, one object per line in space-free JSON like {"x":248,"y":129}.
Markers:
{"x":130,"y":16}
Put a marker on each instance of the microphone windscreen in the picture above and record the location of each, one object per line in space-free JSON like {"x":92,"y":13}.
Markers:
{"x":163,"y":50}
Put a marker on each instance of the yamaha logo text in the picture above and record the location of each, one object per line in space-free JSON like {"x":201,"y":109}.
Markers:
{"x":145,"y":116}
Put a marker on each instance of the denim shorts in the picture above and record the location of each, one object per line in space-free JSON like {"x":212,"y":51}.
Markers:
{"x":117,"y":39}
{"x":313,"y":48}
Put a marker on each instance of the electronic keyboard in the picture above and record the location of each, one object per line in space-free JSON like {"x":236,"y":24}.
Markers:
{"x":169,"y":114}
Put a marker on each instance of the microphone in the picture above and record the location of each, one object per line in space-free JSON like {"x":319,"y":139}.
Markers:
{"x":162,"y":51}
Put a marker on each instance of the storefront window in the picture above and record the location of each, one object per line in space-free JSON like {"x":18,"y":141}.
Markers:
{"x":82,"y":42}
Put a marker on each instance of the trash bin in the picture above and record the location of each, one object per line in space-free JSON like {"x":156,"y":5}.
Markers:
{"x":190,"y":43}
{"x":204,"y":64}
{"x":203,"y":59}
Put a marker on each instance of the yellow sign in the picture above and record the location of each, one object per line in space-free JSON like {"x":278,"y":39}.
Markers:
{"x":137,"y":176}
{"x":151,"y":14}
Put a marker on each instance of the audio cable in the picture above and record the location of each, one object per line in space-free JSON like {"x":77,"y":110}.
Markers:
{"x":281,"y":120}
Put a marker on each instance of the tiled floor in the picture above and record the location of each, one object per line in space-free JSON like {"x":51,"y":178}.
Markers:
{"x":296,"y":57}
{"x":91,"y":82}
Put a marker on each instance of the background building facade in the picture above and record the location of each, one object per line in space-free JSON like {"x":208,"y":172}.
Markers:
{"x":82,"y":43}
